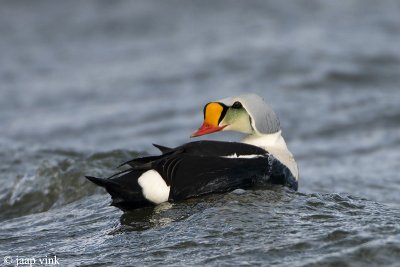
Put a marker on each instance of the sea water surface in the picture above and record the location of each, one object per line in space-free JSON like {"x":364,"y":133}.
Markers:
{"x":86,"y":85}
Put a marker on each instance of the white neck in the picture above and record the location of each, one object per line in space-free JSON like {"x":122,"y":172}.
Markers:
{"x":276,"y":145}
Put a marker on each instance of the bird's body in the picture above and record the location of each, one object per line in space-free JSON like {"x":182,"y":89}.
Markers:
{"x":205,"y":167}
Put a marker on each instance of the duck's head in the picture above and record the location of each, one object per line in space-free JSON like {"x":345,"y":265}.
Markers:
{"x":245,"y":113}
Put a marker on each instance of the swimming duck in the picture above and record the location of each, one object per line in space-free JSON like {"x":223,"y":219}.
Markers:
{"x":205,"y":167}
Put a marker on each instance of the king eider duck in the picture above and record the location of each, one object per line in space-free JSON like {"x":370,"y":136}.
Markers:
{"x":205,"y":167}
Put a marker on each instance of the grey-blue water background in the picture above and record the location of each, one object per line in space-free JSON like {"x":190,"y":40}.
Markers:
{"x":86,"y":85}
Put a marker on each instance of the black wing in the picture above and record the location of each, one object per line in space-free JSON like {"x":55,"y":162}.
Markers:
{"x":202,"y":148}
{"x":220,"y":149}
{"x":192,"y":175}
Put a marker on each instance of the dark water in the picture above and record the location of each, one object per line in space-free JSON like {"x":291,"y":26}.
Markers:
{"x":86,"y":85}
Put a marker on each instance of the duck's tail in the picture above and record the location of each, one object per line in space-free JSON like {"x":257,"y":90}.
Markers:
{"x":124,"y":190}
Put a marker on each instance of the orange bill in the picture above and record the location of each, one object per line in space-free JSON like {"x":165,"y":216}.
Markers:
{"x":212,"y":117}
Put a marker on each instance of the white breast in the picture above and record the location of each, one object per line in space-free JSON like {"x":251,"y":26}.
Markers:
{"x":276,"y":145}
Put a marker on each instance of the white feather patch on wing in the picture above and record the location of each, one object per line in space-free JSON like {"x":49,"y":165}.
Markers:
{"x":234,"y":156}
{"x":154,"y":187}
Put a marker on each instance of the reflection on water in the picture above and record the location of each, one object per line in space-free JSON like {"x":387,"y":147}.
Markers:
{"x":146,"y":218}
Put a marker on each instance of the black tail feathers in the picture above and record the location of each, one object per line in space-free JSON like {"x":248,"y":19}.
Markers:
{"x":125,"y":192}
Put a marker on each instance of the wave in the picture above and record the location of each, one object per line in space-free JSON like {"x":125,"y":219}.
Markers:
{"x":53,"y":178}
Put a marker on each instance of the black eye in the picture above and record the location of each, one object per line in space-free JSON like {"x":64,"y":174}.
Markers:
{"x":237,"y":104}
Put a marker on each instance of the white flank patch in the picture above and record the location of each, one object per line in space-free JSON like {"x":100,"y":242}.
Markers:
{"x":234,"y":156}
{"x":154,"y":187}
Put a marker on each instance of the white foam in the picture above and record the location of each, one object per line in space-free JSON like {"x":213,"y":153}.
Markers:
{"x":154,"y":187}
